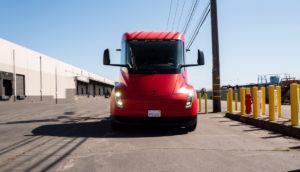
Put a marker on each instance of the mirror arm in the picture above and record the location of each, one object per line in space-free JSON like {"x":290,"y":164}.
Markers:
{"x":189,"y":65}
{"x":120,"y":65}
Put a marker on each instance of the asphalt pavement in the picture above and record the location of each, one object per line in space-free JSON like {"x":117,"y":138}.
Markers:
{"x":77,"y":137}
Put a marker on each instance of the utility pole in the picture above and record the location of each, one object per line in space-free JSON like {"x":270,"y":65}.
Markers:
{"x":215,"y":56}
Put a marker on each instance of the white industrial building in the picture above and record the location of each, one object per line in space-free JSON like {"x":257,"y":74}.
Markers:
{"x":26,"y":75}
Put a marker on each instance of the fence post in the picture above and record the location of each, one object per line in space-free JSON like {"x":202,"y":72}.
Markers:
{"x":294,"y":96}
{"x":255,"y":101}
{"x":242,"y":97}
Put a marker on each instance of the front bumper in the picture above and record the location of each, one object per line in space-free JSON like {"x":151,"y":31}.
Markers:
{"x":161,"y":121}
{"x":169,"y":106}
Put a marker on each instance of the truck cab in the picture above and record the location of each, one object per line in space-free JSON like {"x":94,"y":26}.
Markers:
{"x":153,"y":85}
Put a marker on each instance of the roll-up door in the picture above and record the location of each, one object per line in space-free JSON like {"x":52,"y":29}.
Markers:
{"x":20,"y":85}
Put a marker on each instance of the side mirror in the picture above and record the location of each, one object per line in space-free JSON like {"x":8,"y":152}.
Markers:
{"x":200,"y":58}
{"x":106,"y":57}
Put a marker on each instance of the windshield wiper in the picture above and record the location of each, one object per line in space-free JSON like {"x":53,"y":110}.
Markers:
{"x":132,"y":59}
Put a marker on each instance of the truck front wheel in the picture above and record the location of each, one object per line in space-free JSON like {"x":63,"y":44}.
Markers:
{"x":190,"y":128}
{"x":115,"y":126}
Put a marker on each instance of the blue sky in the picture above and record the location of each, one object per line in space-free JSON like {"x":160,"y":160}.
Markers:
{"x":256,"y":36}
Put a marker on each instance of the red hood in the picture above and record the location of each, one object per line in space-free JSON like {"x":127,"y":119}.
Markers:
{"x":154,"y":84}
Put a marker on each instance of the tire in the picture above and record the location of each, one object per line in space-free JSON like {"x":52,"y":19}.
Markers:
{"x":115,"y":126}
{"x":192,"y":127}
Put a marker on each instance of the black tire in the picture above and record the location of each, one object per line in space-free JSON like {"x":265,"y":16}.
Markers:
{"x":192,"y":127}
{"x":115,"y":126}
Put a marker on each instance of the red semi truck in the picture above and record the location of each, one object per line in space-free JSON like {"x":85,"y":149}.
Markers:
{"x":153,"y":84}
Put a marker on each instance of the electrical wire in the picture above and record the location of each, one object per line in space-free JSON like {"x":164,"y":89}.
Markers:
{"x":175,"y":14}
{"x":200,"y":23}
{"x":190,"y":17}
{"x":181,"y":15}
{"x":169,"y":14}
{"x":196,"y":31}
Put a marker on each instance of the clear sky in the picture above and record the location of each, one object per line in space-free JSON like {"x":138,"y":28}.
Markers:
{"x":256,"y":36}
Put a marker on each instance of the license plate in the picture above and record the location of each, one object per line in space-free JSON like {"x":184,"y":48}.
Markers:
{"x":154,"y":113}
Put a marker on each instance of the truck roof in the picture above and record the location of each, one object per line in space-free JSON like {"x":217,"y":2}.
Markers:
{"x":153,"y":36}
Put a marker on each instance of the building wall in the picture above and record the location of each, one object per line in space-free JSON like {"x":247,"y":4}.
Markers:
{"x":45,"y":78}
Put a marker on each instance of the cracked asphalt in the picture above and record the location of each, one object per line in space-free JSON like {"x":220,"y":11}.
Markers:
{"x":77,"y":137}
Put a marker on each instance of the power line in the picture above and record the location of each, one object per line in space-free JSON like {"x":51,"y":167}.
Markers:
{"x":175,"y":14}
{"x":200,"y":23}
{"x":169,"y":14}
{"x":189,"y":13}
{"x":181,"y":15}
{"x":190,"y":16}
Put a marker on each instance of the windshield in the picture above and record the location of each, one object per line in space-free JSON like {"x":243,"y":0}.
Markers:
{"x":144,"y":56}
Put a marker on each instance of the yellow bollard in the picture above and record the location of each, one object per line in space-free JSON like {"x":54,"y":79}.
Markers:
{"x":294,"y":99}
{"x":263,"y":102}
{"x":236,"y":101}
{"x":278,"y":89}
{"x":227,"y":102}
{"x":230,"y":110}
{"x":255,"y":102}
{"x":242,"y":103}
{"x":298,"y":98}
{"x":259,"y":94}
{"x":206,"y":107}
{"x":271,"y":103}
{"x":199,"y":101}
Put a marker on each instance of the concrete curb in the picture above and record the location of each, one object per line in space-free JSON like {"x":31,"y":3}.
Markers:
{"x":282,"y":126}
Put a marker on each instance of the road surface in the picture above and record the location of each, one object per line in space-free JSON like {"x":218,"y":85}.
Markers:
{"x":77,"y":137}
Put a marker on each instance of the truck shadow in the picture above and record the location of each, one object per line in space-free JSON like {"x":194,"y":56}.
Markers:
{"x":102,"y":129}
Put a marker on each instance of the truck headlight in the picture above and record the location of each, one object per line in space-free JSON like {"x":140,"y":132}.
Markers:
{"x":118,"y":99}
{"x":189,"y":100}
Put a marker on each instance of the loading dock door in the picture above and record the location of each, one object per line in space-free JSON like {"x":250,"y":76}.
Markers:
{"x":20,"y":85}
{"x":7,"y":87}
{"x":91,"y":89}
{"x":82,"y":88}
